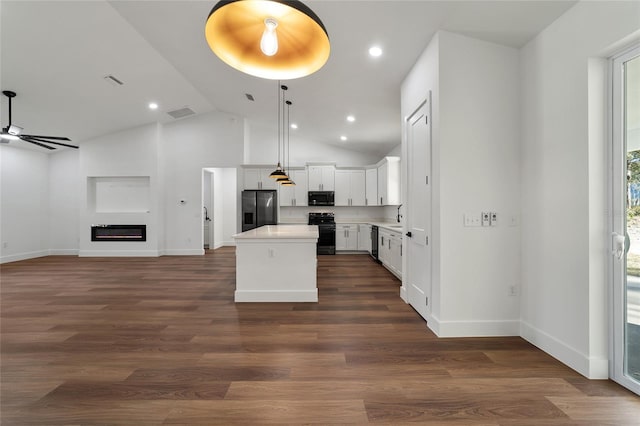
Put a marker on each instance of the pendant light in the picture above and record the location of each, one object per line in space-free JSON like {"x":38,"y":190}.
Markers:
{"x":278,"y":172}
{"x":288,"y":181}
{"x":273,"y":39}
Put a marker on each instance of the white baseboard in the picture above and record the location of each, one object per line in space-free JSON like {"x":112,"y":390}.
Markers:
{"x":23,"y":256}
{"x":403,"y":294}
{"x":276,"y":296}
{"x":63,"y":252}
{"x":229,"y":243}
{"x":474,"y":328}
{"x":119,"y":253}
{"x":183,"y":252}
{"x":590,"y":367}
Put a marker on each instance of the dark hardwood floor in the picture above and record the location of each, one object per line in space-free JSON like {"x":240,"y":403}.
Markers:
{"x":159,"y":341}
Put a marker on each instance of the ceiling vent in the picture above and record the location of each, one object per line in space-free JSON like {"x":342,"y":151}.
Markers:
{"x":181,"y":113}
{"x":249,"y":96}
{"x":113,"y":80}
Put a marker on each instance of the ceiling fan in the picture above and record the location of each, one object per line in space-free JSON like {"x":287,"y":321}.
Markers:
{"x":13,"y":132}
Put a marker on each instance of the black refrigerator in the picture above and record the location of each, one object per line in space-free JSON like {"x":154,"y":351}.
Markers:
{"x":259,"y":208}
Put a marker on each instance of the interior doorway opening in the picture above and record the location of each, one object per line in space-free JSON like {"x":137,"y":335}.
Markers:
{"x":219,"y":207}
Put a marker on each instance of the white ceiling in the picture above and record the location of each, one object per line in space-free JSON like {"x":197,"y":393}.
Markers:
{"x":54,"y":54}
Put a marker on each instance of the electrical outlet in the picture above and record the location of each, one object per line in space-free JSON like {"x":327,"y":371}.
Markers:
{"x":494,"y":219}
{"x":486,"y":219}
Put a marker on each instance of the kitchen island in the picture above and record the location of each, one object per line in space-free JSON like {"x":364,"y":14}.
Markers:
{"x":277,"y":263}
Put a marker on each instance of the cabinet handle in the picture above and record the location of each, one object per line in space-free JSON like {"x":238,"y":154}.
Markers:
{"x":400,"y":251}
{"x":366,"y":201}
{"x":380,"y":200}
{"x":382,"y":241}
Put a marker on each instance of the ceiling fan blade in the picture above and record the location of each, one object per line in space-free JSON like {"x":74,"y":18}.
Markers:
{"x":37,"y":143}
{"x":55,"y":138}
{"x":34,"y":138}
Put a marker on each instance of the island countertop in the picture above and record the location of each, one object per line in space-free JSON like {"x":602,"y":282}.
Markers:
{"x":277,"y":232}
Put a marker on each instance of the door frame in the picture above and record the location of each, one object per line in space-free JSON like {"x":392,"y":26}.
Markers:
{"x":617,"y":223}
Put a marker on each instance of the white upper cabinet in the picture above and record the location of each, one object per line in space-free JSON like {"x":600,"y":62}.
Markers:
{"x":350,"y":188}
{"x":389,"y":181}
{"x":296,"y":195}
{"x":322,"y":178}
{"x":371,"y":198}
{"x":258,"y":178}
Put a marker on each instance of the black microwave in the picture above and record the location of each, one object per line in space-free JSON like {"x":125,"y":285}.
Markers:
{"x":321,"y":198}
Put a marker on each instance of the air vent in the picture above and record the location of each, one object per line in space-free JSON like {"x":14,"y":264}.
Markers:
{"x":113,"y":80}
{"x":249,"y":96}
{"x":180,"y":113}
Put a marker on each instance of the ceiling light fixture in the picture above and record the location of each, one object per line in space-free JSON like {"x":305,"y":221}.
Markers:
{"x":375,"y":51}
{"x":278,"y":173}
{"x":153,"y":105}
{"x":351,"y":118}
{"x":273,"y":39}
{"x":294,"y":126}
{"x":343,"y":138}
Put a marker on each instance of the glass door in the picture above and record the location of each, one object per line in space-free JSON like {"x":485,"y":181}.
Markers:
{"x":626,"y":221}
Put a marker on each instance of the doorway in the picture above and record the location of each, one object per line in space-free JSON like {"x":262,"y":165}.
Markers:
{"x":625,"y":345}
{"x":208,"y":197}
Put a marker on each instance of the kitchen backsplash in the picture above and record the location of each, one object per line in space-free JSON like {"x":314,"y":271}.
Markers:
{"x":342,"y":214}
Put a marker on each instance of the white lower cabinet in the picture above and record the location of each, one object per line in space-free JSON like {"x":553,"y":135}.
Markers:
{"x":347,"y":236}
{"x":390,"y":250}
{"x":364,"y":237}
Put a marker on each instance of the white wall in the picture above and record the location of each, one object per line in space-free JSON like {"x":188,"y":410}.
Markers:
{"x":188,"y":146}
{"x":128,"y":153}
{"x":563,"y":220}
{"x":475,"y":168}
{"x":24,"y":211}
{"x":64,"y":194}
{"x":264,"y":150}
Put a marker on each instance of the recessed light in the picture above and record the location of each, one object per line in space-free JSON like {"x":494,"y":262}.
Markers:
{"x":343,"y":138}
{"x":153,"y":105}
{"x":294,"y":126}
{"x":351,"y":118}
{"x":375,"y":51}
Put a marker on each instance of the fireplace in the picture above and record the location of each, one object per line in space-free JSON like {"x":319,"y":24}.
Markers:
{"x":118,"y":232}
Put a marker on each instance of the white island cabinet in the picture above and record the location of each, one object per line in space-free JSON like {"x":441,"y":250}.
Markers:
{"x":277,"y":263}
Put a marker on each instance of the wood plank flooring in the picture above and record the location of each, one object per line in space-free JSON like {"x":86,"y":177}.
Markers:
{"x":159,"y":341}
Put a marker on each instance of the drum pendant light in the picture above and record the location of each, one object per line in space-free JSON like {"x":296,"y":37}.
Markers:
{"x":272,"y":39}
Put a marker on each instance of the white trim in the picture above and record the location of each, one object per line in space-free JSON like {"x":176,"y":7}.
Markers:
{"x":23,"y":256}
{"x":590,"y":367}
{"x":474,"y":328}
{"x":63,"y":252}
{"x":276,"y":295}
{"x":118,"y":253}
{"x":403,"y":294}
{"x":183,"y":252}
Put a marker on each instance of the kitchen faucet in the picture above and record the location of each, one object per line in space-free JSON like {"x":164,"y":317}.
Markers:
{"x":399,"y":215}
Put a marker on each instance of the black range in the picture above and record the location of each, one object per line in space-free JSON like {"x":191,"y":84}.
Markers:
{"x":326,"y":230}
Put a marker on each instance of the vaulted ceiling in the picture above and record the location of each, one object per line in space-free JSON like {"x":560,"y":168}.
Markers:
{"x":55,"y":55}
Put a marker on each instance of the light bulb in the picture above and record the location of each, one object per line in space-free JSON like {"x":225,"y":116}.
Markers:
{"x":269,"y":40}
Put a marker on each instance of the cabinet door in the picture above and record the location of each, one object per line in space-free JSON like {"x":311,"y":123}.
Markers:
{"x":343,"y":186}
{"x":372,"y":187}
{"x":252,"y":179}
{"x":328,"y":178}
{"x":287,"y":196}
{"x":382,"y":184}
{"x":341,"y":237}
{"x":364,"y":237}
{"x":352,"y":237}
{"x":301,"y":196}
{"x":395,"y":256}
{"x":358,"y":193}
{"x":315,"y":178}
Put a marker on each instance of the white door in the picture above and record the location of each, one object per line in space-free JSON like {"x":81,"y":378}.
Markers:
{"x":625,"y":344}
{"x":418,"y":212}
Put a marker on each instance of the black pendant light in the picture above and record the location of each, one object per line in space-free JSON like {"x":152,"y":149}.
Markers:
{"x":278,"y":173}
{"x":288,"y":181}
{"x":274,"y":39}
